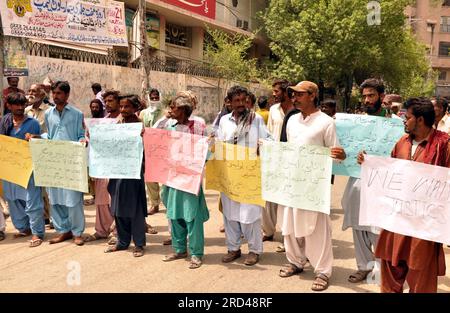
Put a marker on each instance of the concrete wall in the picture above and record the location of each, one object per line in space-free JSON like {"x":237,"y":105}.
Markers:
{"x":81,"y":75}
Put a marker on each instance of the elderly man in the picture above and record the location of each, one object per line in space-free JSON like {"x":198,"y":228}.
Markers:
{"x":245,"y":128}
{"x":307,"y":234}
{"x":403,"y":258}
{"x":187,"y":212}
{"x":37,"y":109}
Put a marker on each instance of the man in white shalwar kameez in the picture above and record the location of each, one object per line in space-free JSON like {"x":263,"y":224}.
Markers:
{"x":242,"y":127}
{"x":307,"y":234}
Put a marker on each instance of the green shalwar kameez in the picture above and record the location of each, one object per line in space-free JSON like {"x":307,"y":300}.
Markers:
{"x":187,"y":213}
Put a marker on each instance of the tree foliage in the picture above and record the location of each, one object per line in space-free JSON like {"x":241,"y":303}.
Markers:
{"x":227,"y":54}
{"x":331,"y":41}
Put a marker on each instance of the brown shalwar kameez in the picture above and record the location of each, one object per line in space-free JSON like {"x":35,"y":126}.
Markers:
{"x":415,"y":260}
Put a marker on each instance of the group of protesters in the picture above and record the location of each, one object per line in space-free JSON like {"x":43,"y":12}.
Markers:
{"x":296,"y":116}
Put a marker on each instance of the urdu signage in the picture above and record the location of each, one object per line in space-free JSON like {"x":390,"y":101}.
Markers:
{"x":203,"y":7}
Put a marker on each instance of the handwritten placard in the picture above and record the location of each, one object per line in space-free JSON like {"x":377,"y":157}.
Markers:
{"x":115,"y":150}
{"x":296,"y":176}
{"x":15,"y":160}
{"x":89,"y":122}
{"x":175,"y":159}
{"x":236,"y":171}
{"x":78,"y":21}
{"x":376,"y":135}
{"x":406,"y":197}
{"x":60,"y":164}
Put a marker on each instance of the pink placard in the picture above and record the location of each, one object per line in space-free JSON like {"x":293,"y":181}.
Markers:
{"x":175,"y":159}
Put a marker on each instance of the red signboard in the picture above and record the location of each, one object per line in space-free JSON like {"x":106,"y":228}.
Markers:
{"x":203,"y":7}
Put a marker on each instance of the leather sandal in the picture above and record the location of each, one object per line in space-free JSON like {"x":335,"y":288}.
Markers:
{"x":289,"y":270}
{"x":321,"y":282}
{"x":175,"y":256}
{"x":138,"y":252}
{"x":358,"y":276}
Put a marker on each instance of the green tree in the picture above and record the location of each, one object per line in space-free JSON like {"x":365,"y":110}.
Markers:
{"x":331,"y":42}
{"x":228,"y":56}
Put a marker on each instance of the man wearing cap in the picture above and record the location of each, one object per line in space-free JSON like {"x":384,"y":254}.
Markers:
{"x":307,"y":234}
{"x":241,"y":127}
{"x":364,"y":237}
{"x":277,"y":113}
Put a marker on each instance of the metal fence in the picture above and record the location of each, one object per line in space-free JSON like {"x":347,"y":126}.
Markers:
{"x":119,"y":58}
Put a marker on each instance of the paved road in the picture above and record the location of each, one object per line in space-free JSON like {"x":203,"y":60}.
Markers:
{"x":48,"y":268}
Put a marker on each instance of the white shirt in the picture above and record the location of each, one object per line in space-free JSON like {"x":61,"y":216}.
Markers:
{"x":100,"y":97}
{"x":316,"y":129}
{"x":275,"y":121}
{"x":258,"y":130}
{"x":444,"y":125}
{"x":233,"y":210}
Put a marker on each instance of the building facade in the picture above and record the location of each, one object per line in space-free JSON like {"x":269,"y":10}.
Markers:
{"x":430,"y":21}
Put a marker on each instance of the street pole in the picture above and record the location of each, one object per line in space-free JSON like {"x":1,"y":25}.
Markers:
{"x":145,"y":72}
{"x":2,"y":66}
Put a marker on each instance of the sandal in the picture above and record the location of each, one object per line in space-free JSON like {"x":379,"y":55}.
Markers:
{"x":320,"y":283}
{"x":93,"y":237}
{"x":113,"y":249}
{"x":2,"y":236}
{"x":196,"y":262}
{"x":150,"y":230}
{"x":138,"y":252}
{"x":280,"y":249}
{"x":112,"y":241}
{"x":22,"y":234}
{"x":175,"y":256}
{"x":35,"y":242}
{"x":289,"y":270}
{"x":358,"y":276}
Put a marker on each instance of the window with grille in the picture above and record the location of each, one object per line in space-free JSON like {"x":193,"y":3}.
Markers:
{"x":444,"y":49}
{"x":445,"y":24}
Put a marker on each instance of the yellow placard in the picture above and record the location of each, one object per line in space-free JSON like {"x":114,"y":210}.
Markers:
{"x":235,"y":171}
{"x":15,"y":160}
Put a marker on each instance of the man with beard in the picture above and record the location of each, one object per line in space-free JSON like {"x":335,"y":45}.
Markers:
{"x":364,"y":238}
{"x":37,"y":109}
{"x":403,"y":258}
{"x":245,"y":128}
{"x":283,"y":104}
{"x":96,"y":108}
